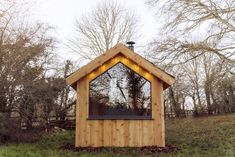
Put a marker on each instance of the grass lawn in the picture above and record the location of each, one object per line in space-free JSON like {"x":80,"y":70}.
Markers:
{"x":206,"y":136}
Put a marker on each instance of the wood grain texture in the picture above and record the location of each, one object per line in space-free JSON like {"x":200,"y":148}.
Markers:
{"x":120,"y":133}
{"x":80,"y":73}
{"x":130,"y":55}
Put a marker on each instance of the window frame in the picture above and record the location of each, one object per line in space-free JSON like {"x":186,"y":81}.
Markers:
{"x":119,"y":117}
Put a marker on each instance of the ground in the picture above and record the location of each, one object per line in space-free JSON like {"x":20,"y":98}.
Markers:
{"x":206,"y":136}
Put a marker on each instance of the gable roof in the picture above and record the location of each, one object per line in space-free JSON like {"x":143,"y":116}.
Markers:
{"x":117,"y":49}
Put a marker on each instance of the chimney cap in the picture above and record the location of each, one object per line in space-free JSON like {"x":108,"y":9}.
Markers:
{"x":130,"y":43}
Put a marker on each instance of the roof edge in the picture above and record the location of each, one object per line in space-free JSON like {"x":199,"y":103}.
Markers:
{"x":167,"y":78}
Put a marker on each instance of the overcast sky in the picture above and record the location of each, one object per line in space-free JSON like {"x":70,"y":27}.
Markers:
{"x":61,"y":14}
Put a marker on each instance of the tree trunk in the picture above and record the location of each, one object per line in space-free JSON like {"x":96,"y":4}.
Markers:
{"x":198,"y":97}
{"x":208,"y":100}
{"x":231,"y":98}
{"x":175,"y":104}
{"x":195,"y":112}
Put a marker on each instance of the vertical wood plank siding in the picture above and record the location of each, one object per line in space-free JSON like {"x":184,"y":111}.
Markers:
{"x":119,"y":133}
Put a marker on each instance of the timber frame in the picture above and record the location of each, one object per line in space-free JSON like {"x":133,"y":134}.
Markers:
{"x":120,"y":132}
{"x":120,"y":49}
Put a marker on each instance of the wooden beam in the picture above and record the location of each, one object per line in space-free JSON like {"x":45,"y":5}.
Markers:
{"x":73,"y":78}
{"x":110,"y":54}
{"x":148,"y":66}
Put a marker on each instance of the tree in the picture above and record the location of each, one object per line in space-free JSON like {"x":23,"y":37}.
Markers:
{"x":66,"y":99}
{"x":196,"y":38}
{"x":192,"y":72}
{"x":196,"y":26}
{"x":25,"y":51}
{"x":109,"y":24}
{"x":216,"y":71}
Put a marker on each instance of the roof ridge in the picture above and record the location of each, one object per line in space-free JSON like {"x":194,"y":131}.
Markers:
{"x":111,"y":53}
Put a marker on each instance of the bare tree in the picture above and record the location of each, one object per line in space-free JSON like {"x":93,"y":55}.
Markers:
{"x":198,"y":26}
{"x":193,"y":75}
{"x":217,"y":72}
{"x":197,"y":38}
{"x":109,"y":24}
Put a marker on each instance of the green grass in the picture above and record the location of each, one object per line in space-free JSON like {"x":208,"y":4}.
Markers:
{"x":207,"y":136}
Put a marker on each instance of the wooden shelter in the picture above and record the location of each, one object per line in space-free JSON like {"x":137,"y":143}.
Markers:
{"x":120,"y":100}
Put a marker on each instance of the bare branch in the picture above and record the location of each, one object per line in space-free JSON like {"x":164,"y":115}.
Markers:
{"x":109,"y":24}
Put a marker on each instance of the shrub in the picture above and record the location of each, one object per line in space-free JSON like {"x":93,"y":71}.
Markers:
{"x":3,"y":129}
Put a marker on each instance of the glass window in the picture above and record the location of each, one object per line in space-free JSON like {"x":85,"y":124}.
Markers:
{"x":119,"y":93}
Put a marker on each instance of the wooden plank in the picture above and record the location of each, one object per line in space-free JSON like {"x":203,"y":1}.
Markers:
{"x":136,"y":68}
{"x":101,"y":133}
{"x":145,"y":133}
{"x":131,"y":133}
{"x":100,"y":70}
{"x":140,"y":133}
{"x":114,"y":135}
{"x":158,"y":113}
{"x":122,"y":59}
{"x":77,"y":133}
{"x":152,"y":134}
{"x":155,"y":115}
{"x":94,"y":133}
{"x":134,"y":133}
{"x":162,"y":122}
{"x":83,"y":110}
{"x":88,"y":133}
{"x":92,"y":136}
{"x":119,"y":48}
{"x":120,"y":133}
{"x":87,"y":127}
{"x":126,"y":133}
{"x":98,"y":61}
{"x":97,"y":139}
{"x":82,"y":87}
{"x":147,"y":65}
{"x":107,"y":133}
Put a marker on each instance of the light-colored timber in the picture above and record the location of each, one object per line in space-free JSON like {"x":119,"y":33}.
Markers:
{"x":130,"y":55}
{"x":120,"y":133}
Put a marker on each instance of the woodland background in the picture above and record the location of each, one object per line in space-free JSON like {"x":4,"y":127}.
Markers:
{"x":33,"y":92}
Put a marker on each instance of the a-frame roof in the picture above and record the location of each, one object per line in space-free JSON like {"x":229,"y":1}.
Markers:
{"x":111,"y":53}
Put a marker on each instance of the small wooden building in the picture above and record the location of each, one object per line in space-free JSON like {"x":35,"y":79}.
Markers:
{"x":120,"y":100}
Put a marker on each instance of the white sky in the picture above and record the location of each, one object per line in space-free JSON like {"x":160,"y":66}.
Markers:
{"x":61,"y":14}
